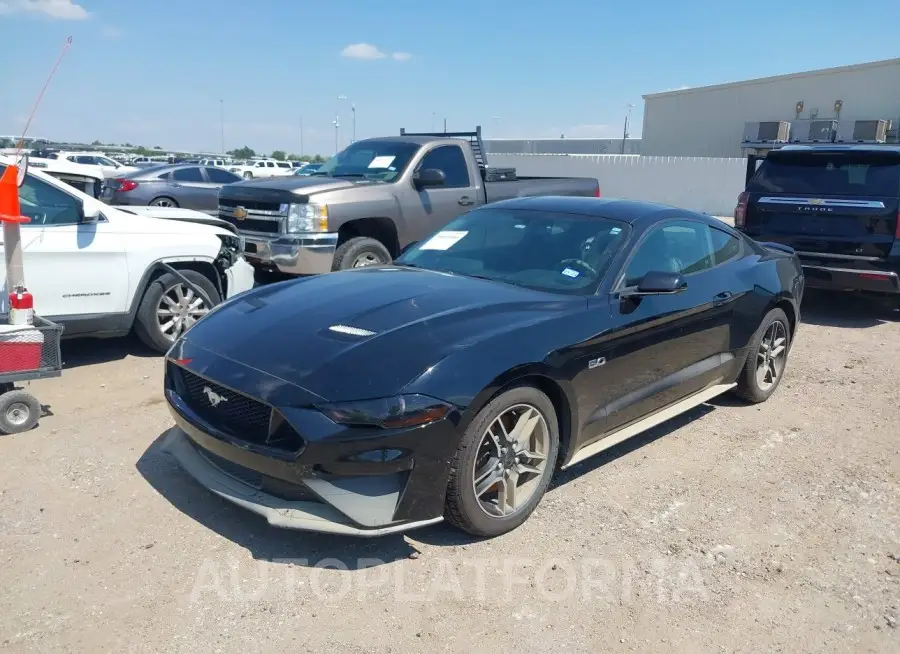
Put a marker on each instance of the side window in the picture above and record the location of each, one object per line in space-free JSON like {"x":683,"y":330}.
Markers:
{"x":191,"y":174}
{"x":219,"y":176}
{"x":725,"y":246}
{"x":260,"y":164}
{"x":46,"y":204}
{"x":165,"y":175}
{"x":451,"y":160}
{"x":682,"y":246}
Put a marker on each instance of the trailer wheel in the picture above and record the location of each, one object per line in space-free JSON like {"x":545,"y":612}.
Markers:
{"x":19,"y":412}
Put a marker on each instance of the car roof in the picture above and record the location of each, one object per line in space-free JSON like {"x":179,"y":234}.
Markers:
{"x":841,"y":147}
{"x":164,"y":168}
{"x":627,"y":211}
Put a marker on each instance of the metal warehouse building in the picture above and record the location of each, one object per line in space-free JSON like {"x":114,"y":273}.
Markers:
{"x":710,"y":121}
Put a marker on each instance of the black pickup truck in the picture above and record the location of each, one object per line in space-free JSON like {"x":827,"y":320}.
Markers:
{"x":837,"y":207}
{"x":368,"y":202}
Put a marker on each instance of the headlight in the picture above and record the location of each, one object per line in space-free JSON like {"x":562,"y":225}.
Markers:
{"x":307,"y":218}
{"x":388,"y":413}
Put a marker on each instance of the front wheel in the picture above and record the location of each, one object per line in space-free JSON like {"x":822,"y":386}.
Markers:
{"x":19,"y":412}
{"x":767,"y":358}
{"x":163,"y":202}
{"x":170,"y":307}
{"x":360,"y":252}
{"x":504,"y":463}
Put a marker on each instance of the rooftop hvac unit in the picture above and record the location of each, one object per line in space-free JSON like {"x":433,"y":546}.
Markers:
{"x":814,"y":131}
{"x":772,"y":131}
{"x":863,"y":131}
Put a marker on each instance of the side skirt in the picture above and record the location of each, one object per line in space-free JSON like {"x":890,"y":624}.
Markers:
{"x":649,"y":422}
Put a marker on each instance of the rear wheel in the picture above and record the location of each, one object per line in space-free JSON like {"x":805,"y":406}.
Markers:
{"x":360,"y":252}
{"x":767,"y":358}
{"x":163,"y":202}
{"x":248,"y":175}
{"x":504,"y":463}
{"x":170,"y":307}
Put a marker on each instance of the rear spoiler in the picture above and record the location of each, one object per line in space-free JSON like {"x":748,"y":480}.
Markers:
{"x":781,"y":247}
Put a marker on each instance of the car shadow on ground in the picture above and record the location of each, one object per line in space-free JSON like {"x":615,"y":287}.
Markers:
{"x":79,"y":352}
{"x":844,"y":310}
{"x":445,"y":535}
{"x":300,"y":548}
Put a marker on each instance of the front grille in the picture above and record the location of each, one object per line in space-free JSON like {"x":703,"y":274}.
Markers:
{"x":292,"y":492}
{"x":252,"y":205}
{"x":253,"y":224}
{"x":235,"y":414}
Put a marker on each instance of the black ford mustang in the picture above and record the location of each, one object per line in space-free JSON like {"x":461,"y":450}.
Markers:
{"x":525,"y":336}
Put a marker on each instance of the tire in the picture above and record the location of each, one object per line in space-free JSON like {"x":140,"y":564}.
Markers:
{"x":360,"y":252}
{"x":480,"y":517}
{"x":750,"y":385}
{"x":164,"y":201}
{"x":19,"y":412}
{"x":247,"y":175}
{"x":148,"y":326}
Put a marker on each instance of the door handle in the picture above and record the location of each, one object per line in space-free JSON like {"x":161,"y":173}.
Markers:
{"x":466,"y":201}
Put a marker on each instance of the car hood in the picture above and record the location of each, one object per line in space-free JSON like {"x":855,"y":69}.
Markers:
{"x":298,"y":184}
{"x":366,"y":333}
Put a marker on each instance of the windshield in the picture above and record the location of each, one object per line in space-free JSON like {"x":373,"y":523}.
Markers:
{"x":828,"y":174}
{"x":376,"y":159}
{"x":555,"y":252}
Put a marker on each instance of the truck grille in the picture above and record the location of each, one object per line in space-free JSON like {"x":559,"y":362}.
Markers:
{"x":252,"y":206}
{"x":253,"y":224}
{"x":264,"y":217}
{"x":235,"y":414}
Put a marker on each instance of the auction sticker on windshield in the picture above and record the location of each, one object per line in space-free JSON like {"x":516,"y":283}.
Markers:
{"x":382,"y":162}
{"x":443,"y":240}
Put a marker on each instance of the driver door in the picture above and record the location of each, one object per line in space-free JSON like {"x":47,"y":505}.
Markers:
{"x":73,"y":269}
{"x":437,"y":206}
{"x":663,"y":348}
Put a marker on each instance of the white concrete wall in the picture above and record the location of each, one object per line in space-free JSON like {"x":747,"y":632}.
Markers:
{"x":700,"y":184}
{"x":709,"y":122}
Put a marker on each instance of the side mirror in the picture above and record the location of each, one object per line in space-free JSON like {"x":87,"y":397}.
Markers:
{"x":22,"y":166}
{"x":428,"y":178}
{"x":90,"y":215}
{"x":657,"y":282}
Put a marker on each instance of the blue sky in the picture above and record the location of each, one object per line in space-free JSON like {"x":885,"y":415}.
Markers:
{"x":153,"y":73}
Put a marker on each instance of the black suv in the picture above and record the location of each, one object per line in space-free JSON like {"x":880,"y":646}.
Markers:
{"x":837,"y":206}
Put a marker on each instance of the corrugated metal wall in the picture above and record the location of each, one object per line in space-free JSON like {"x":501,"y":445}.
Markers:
{"x":702,"y":184}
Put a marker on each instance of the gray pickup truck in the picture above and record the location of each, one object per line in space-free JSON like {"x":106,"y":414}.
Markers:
{"x":368,"y":202}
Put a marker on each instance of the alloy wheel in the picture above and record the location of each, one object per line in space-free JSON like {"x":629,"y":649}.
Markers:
{"x":511,"y":460}
{"x":178,"y":309}
{"x":772,"y":356}
{"x":367,"y":259}
{"x":164,"y":202}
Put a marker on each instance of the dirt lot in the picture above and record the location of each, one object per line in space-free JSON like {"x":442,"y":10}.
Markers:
{"x":770,"y":528}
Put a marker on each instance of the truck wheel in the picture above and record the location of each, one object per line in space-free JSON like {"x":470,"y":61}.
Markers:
{"x":170,"y":307}
{"x":360,"y":252}
{"x":248,"y":175}
{"x":19,"y":412}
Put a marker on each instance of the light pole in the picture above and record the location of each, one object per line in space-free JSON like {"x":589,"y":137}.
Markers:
{"x":222,"y":123}
{"x":337,"y":112}
{"x":629,"y":107}
{"x":353,"y":109}
{"x":337,"y":126}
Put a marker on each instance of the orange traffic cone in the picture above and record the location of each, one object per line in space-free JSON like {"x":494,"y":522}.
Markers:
{"x":10,"y":212}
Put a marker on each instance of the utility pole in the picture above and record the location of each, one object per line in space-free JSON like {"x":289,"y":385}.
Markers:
{"x":625,"y":131}
{"x":353,"y":109}
{"x":336,"y":120}
{"x":337,"y":126}
{"x":445,"y":125}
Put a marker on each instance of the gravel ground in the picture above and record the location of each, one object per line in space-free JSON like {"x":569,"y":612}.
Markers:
{"x":735,"y":528}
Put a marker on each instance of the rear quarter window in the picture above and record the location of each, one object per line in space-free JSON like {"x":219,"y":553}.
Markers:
{"x":827,"y":175}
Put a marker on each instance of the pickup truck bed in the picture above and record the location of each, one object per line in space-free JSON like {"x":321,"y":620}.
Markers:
{"x":370,"y":201}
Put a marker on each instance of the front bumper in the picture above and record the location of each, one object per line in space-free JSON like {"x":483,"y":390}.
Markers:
{"x":292,"y":254}
{"x":850,"y":279}
{"x":278,"y":512}
{"x":261,"y":449}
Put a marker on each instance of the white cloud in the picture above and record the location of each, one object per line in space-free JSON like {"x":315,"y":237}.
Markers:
{"x":58,"y":9}
{"x":362,"y":51}
{"x":112,"y":32}
{"x":401,"y":56}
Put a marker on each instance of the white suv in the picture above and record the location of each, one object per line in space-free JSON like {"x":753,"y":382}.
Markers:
{"x":102,"y":272}
{"x":262,"y":168}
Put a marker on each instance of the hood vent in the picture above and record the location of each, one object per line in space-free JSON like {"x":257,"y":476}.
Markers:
{"x":351,"y":331}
